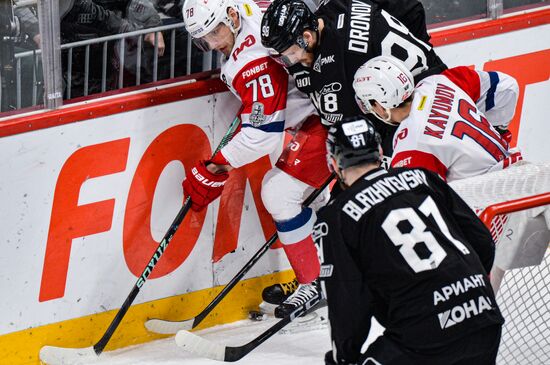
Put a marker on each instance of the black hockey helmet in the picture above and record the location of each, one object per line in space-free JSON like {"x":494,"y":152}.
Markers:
{"x":283,"y":23}
{"x":351,"y":142}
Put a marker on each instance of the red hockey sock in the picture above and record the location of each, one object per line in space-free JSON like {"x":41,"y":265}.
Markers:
{"x":304,"y":260}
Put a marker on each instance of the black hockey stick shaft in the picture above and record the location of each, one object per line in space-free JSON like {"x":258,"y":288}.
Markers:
{"x":100,"y":345}
{"x":236,"y":353}
{"x":204,"y":313}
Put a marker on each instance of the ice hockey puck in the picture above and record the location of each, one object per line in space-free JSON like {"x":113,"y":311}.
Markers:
{"x":257,"y":315}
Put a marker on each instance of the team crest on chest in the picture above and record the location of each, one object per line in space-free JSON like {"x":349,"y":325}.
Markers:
{"x":320,"y":61}
{"x":317,"y":64}
{"x":257,"y":116}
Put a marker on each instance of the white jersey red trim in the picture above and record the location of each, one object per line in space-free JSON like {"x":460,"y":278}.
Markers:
{"x":271,"y":102}
{"x":446,"y":131}
{"x":495,"y":93}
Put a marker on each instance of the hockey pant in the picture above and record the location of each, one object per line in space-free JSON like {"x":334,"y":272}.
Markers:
{"x":301,"y":168}
{"x":282,"y":196}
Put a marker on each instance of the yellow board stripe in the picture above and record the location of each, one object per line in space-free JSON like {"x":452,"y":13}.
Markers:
{"x":21,"y":348}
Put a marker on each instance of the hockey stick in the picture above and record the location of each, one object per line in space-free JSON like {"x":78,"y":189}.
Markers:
{"x":205,"y":348}
{"x":171,"y":327}
{"x":59,"y":355}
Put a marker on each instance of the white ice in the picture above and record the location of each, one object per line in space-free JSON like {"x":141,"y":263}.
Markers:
{"x":302,"y":348}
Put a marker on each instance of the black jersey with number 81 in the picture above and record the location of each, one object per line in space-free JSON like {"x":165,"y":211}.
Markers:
{"x":404,"y":247}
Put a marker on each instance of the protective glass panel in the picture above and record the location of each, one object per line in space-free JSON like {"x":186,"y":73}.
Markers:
{"x":441,"y":13}
{"x":21,"y":81}
{"x":110,"y":44}
{"x":515,"y":5}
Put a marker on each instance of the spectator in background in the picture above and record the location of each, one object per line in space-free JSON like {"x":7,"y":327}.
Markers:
{"x":144,"y":14}
{"x":170,"y":13}
{"x":29,"y":23}
{"x":86,"y":19}
{"x":169,"y":8}
{"x":28,"y":72}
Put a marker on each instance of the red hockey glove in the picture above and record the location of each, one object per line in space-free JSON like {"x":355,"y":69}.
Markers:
{"x":203,"y":186}
{"x":505,"y":134}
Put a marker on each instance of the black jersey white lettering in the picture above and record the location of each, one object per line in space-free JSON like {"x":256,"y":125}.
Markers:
{"x":359,"y":27}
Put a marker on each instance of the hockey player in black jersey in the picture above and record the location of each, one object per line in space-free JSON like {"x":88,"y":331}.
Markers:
{"x":323,"y":50}
{"x":403,"y":247}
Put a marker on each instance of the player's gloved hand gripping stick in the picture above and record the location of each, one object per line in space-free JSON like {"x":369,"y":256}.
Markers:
{"x":203,"y":186}
{"x":52,"y":355}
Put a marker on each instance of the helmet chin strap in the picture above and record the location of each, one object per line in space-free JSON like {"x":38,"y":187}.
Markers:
{"x":386,"y":120}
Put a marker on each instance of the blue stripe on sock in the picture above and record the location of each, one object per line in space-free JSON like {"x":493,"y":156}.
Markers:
{"x":296,"y":222}
{"x":490,"y":101}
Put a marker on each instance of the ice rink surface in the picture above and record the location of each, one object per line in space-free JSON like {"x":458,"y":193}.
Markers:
{"x":297,"y":348}
{"x":524,"y":341}
{"x":282,"y":349}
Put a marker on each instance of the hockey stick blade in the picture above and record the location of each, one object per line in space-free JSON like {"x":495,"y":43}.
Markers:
{"x":211,"y":350}
{"x":52,"y":355}
{"x":200,"y":346}
{"x":165,"y":327}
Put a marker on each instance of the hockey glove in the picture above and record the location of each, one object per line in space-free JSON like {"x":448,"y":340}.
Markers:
{"x":505,"y":134}
{"x":203,"y":186}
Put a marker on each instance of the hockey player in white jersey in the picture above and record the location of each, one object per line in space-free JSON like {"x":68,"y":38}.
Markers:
{"x":449,"y":123}
{"x":271,"y":105}
{"x":455,"y":125}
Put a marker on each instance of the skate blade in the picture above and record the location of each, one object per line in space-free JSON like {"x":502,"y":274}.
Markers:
{"x":313,"y":321}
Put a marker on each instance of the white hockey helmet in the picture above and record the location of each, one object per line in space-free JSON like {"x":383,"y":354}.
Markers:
{"x":202,"y":16}
{"x":384,"y":79}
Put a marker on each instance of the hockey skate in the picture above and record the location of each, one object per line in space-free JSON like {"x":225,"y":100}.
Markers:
{"x":309,"y":322}
{"x":314,"y":320}
{"x":276,"y":294}
{"x":303,"y":293}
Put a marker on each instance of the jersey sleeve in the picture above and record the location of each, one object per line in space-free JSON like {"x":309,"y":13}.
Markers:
{"x":499,"y":95}
{"x":262,"y":86}
{"x":495,"y":93}
{"x":476,"y":233}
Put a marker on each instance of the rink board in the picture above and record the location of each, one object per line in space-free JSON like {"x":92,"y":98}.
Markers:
{"x":88,"y":191}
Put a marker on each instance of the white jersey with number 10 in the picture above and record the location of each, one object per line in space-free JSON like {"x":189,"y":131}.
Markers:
{"x":447,"y":130}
